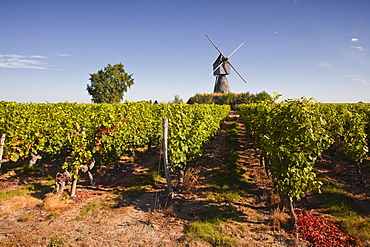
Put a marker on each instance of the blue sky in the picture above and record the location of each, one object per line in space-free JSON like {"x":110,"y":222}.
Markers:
{"x":299,"y":48}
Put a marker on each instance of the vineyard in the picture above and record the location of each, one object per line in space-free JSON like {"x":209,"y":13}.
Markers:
{"x":284,"y":145}
{"x":104,"y":132}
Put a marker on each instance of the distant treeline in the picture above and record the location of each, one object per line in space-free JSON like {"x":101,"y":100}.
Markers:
{"x":232,"y":99}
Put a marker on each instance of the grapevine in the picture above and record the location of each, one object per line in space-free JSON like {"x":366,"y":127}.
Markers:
{"x":105,"y":131}
{"x":293,"y":133}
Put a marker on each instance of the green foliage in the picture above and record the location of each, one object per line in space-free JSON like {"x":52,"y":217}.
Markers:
{"x":86,"y":129}
{"x":80,"y":155}
{"x":105,"y":131}
{"x":349,"y":125}
{"x":291,"y":135}
{"x":201,"y":99}
{"x":110,"y":84}
{"x":231,"y":99}
{"x":190,"y":127}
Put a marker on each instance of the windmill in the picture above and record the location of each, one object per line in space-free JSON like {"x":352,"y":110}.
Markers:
{"x":221,"y":68}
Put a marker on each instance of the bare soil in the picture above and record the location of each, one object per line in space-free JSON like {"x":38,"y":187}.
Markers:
{"x":120,"y":210}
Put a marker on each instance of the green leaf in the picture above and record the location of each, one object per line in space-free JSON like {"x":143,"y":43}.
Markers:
{"x":14,"y":157}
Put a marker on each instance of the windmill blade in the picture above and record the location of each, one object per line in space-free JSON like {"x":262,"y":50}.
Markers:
{"x":237,"y":72}
{"x":236,"y":49}
{"x":214,"y":70}
{"x":215,"y":46}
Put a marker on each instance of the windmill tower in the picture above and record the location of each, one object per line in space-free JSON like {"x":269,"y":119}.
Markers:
{"x":221,"y":68}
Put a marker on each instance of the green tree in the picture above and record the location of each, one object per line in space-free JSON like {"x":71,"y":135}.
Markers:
{"x":263,"y":96}
{"x":110,"y":84}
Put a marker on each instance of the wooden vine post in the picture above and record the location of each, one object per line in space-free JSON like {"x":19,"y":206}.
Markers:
{"x":2,"y":142}
{"x":165,"y":155}
{"x":74,"y":184}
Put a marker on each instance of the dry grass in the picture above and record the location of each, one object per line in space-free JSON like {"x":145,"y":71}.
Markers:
{"x":274,"y":199}
{"x":278,"y":218}
{"x":338,"y":169}
{"x":191,"y":179}
{"x":55,"y":204}
{"x":10,"y":206}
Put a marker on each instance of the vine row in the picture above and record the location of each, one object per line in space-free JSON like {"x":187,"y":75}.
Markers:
{"x":105,"y":131}
{"x":292,"y":134}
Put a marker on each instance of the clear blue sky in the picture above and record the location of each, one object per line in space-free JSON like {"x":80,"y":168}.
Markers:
{"x":310,"y":48}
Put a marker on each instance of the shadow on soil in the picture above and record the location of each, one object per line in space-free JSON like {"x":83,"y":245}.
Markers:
{"x":220,"y":174}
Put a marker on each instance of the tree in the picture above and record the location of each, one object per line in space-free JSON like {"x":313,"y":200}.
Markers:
{"x":263,"y":96}
{"x":110,"y":84}
{"x":177,"y":99}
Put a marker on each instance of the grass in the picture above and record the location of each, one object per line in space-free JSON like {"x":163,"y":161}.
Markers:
{"x":219,"y":213}
{"x":57,"y":241}
{"x":229,"y":181}
{"x":347,"y":211}
{"x":21,"y":168}
{"x":137,"y":185}
{"x":155,"y":176}
{"x":227,"y":186}
{"x":230,"y":177}
{"x":25,"y":218}
{"x":41,"y":187}
{"x":6,"y":195}
{"x":136,"y":190}
{"x":19,"y":198}
{"x":94,"y":207}
{"x":228,"y":195}
{"x":53,"y":215}
{"x":31,"y":188}
{"x":208,"y":227}
{"x":210,"y":232}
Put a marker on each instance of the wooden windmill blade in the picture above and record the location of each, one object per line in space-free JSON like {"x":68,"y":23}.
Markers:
{"x":214,"y":70}
{"x":215,"y":46}
{"x":237,"y":73}
{"x":235,"y":50}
